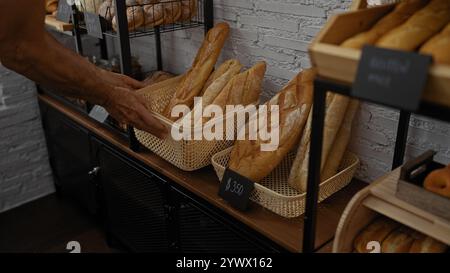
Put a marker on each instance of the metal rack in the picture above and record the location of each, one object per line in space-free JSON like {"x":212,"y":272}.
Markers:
{"x":122,"y":32}
{"x":321,"y":87}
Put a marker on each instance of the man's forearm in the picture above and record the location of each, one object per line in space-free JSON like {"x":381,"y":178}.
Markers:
{"x":49,"y":63}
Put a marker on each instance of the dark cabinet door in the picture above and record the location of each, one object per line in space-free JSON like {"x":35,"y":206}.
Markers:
{"x":70,"y":157}
{"x":134,"y":204}
{"x":201,"y":231}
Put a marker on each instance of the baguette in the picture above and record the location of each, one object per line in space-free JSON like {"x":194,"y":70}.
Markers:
{"x":341,"y":142}
{"x":172,"y":11}
{"x":399,"y":241}
{"x":398,"y":16}
{"x":425,"y":244}
{"x":377,"y":231}
{"x":223,"y":68}
{"x":225,"y":73}
{"x":157,"y":76}
{"x":423,"y":25}
{"x":334,"y":116}
{"x":153,"y":15}
{"x":219,"y":80}
{"x":196,"y":77}
{"x":243,"y":89}
{"x":135,"y":18}
{"x":188,"y":10}
{"x":295,"y":100}
{"x":439,"y":47}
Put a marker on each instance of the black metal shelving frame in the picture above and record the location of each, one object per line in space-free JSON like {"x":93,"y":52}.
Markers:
{"x":204,"y":17}
{"x":321,"y":87}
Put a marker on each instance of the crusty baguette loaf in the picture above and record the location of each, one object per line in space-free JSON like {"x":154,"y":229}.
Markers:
{"x":439,"y":47}
{"x":341,"y":142}
{"x":377,"y":231}
{"x":399,"y":241}
{"x":334,"y":116}
{"x":172,"y":11}
{"x":221,"y":70}
{"x":153,"y":15}
{"x":397,"y":17}
{"x":303,"y":149}
{"x":227,"y":71}
{"x":423,"y":25}
{"x":247,"y":157}
{"x":425,"y":244}
{"x":196,"y":77}
{"x":188,"y":9}
{"x":243,"y":88}
{"x":135,"y":18}
{"x":220,"y":78}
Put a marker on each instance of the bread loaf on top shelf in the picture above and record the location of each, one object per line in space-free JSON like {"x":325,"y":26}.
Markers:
{"x":423,"y":25}
{"x":204,"y":63}
{"x":398,"y":16}
{"x":439,"y":47}
{"x":294,"y":103}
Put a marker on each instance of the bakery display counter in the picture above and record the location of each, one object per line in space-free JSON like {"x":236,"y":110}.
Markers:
{"x":198,"y":189}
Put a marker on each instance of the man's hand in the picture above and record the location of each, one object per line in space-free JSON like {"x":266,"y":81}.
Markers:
{"x":126,"y":106}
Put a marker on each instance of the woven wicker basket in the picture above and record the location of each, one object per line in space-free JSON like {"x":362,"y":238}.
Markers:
{"x":188,"y":155}
{"x":274,"y":192}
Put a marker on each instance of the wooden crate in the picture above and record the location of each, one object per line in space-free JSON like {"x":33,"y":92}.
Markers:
{"x":379,"y":199}
{"x":338,"y":63}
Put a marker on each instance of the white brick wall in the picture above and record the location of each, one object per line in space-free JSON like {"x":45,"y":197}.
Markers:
{"x":25,"y":173}
{"x":279,"y":31}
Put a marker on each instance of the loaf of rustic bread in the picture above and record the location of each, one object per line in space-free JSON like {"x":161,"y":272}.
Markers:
{"x":439,"y":47}
{"x":423,"y":25}
{"x":377,"y":231}
{"x":398,"y":16}
{"x":203,"y":65}
{"x":294,"y":101}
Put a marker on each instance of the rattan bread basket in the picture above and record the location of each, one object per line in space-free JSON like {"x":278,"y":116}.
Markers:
{"x":274,"y":192}
{"x":188,"y":155}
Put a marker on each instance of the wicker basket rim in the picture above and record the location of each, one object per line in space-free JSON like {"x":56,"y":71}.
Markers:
{"x":355,"y":161}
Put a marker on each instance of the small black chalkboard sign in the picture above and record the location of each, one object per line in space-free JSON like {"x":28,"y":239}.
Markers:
{"x":236,"y":189}
{"x":93,"y":25}
{"x":391,"y":77}
{"x":99,"y":113}
{"x":64,"y":13}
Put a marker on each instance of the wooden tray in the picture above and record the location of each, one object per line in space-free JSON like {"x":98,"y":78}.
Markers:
{"x":379,"y":199}
{"x":337,"y":63}
{"x":51,"y":21}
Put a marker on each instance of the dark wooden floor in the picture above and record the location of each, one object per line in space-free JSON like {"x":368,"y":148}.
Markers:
{"x":47,"y":225}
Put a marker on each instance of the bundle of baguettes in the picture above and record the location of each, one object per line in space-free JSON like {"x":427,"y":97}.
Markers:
{"x":248,"y":158}
{"x":420,"y":27}
{"x":196,"y":77}
{"x":398,"y":16}
{"x":439,"y":47}
{"x":243,"y":88}
{"x":214,"y":85}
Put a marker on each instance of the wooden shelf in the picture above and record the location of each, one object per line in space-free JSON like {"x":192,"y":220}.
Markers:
{"x":384,"y":201}
{"x":51,"y":21}
{"x":379,"y":198}
{"x":204,"y":183}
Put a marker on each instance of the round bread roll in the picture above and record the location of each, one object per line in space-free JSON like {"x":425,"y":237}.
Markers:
{"x":135,"y":16}
{"x":107,"y":10}
{"x":172,"y":11}
{"x":438,"y":182}
{"x":153,"y":15}
{"x":188,"y":9}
